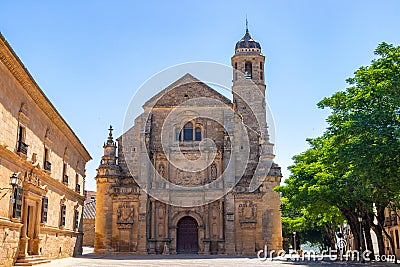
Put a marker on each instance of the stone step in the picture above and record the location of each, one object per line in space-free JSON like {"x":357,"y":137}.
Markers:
{"x":31,"y":260}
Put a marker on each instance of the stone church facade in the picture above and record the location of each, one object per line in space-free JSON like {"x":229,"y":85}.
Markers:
{"x":195,"y":174}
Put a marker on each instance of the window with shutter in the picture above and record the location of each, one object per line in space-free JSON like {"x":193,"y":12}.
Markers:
{"x":77,"y":185}
{"x":63,"y":213}
{"x":76,"y":221}
{"x":65,"y":176}
{"x":17,"y":207}
{"x":45,"y":204}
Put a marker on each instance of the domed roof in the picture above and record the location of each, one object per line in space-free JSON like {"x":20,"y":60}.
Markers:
{"x":247,"y":42}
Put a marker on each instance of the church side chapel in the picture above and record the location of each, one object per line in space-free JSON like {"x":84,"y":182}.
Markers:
{"x":240,"y":221}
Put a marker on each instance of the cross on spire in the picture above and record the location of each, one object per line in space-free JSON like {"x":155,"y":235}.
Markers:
{"x":110,"y":140}
{"x":110,"y":129}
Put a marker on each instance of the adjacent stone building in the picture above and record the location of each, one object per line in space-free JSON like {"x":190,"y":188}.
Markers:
{"x":40,"y":210}
{"x":90,"y":196}
{"x":392,"y":227}
{"x":195,"y":174}
{"x":89,"y":216}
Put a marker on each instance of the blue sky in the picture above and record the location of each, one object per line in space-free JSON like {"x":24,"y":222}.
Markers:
{"x":89,"y":57}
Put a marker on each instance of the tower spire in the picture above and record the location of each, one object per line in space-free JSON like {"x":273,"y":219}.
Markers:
{"x":247,"y":25}
{"x":110,"y":137}
{"x":110,"y":140}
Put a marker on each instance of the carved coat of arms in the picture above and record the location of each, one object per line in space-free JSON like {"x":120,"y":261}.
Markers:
{"x":125,"y":213}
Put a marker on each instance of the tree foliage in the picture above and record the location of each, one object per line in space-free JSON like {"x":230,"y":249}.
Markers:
{"x":353,"y":169}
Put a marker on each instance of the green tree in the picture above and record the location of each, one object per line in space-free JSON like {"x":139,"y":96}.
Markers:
{"x":305,"y":207}
{"x":355,"y":165}
{"x":365,"y":124}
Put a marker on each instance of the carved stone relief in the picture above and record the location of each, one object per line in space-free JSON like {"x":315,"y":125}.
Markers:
{"x":125,"y":213}
{"x":247,"y":210}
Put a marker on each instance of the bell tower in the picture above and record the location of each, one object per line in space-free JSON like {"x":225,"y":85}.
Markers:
{"x":248,"y":61}
{"x":248,"y":91}
{"x":259,"y":215}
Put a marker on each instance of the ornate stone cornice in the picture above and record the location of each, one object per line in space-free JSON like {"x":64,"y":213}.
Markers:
{"x":9,"y":58}
{"x":45,"y":178}
{"x":56,"y":230}
{"x":248,"y":196}
{"x":6,"y":222}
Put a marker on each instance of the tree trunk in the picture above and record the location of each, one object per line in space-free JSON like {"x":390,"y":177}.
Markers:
{"x":379,"y":236}
{"x":354,"y":227}
{"x":378,"y":232}
{"x":368,"y":238}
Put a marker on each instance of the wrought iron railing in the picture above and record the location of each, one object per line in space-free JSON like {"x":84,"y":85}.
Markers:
{"x":47,"y":165}
{"x":22,"y":147}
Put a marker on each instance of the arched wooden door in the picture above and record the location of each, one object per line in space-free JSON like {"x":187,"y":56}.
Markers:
{"x":187,"y":236}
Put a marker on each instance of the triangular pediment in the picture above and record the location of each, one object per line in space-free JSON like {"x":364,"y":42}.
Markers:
{"x":186,"y":87}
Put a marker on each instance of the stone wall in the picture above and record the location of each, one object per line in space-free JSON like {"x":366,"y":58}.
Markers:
{"x":88,"y":230}
{"x":9,"y":234}
{"x":24,"y":105}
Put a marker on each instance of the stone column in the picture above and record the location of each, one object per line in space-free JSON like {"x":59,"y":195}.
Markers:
{"x":153,"y":220}
{"x":103,"y":222}
{"x":152,"y":241}
{"x":221,"y":219}
{"x":229,"y":180}
{"x":207,"y":224}
{"x":36,"y":240}
{"x":23,"y":243}
{"x":173,"y":236}
{"x":230,"y":242}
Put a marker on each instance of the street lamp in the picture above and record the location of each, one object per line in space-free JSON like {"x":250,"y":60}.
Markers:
{"x":294,"y":241}
{"x":13,"y":183}
{"x":360,"y":221}
{"x":14,"y":179}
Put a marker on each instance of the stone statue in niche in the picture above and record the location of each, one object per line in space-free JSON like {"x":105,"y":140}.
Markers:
{"x":213,"y":171}
{"x":161,"y":171}
{"x":160,"y":230}
{"x":227,"y":143}
{"x":125,"y":213}
{"x":161,"y":211}
{"x":214,"y":212}
{"x":247,"y":211}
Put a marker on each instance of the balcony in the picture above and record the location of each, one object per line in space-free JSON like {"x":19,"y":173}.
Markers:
{"x":65,"y":179}
{"x":47,"y":166}
{"x":22,"y":148}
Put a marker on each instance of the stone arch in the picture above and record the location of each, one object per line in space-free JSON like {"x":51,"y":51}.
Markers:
{"x":174,"y":227}
{"x":180,"y":215}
